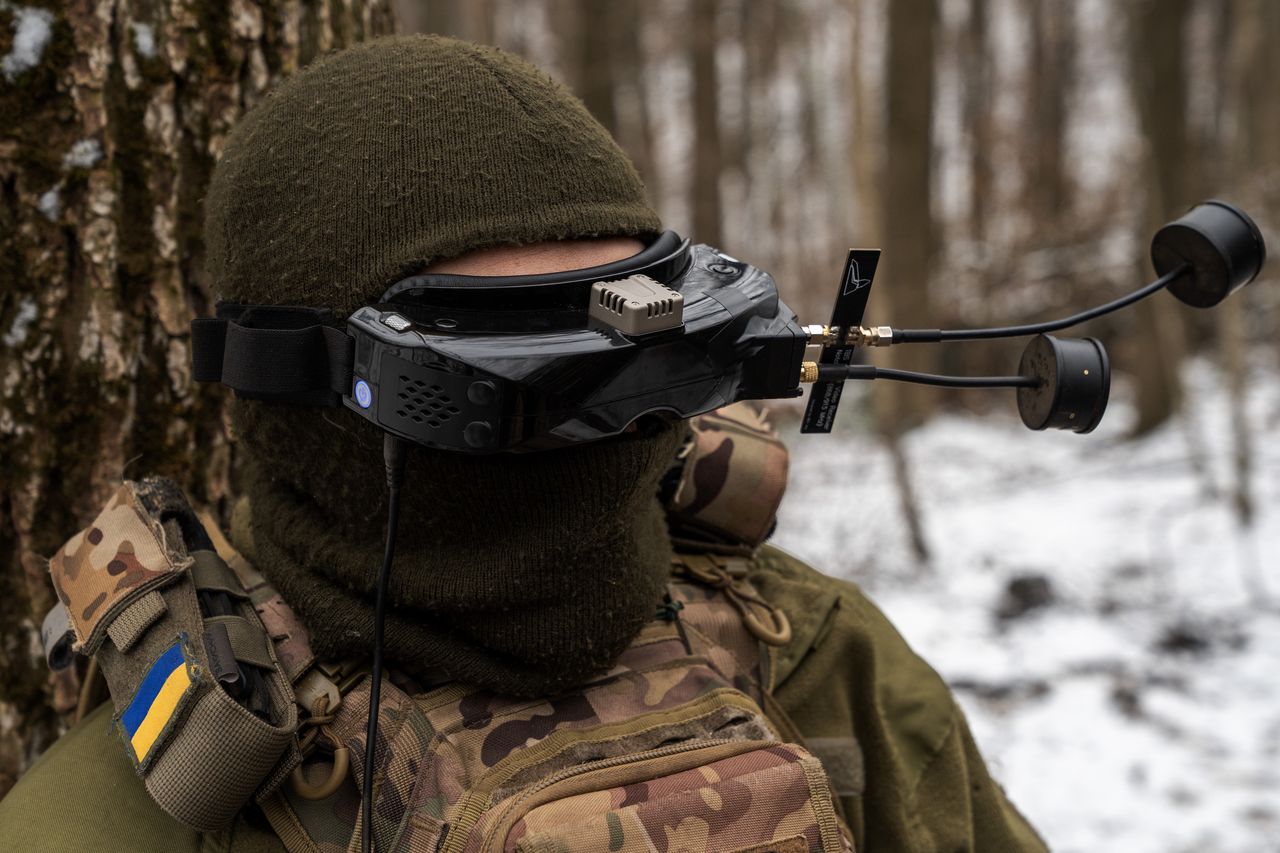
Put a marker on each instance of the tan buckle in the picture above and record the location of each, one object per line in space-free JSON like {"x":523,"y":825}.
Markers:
{"x":337,"y":773}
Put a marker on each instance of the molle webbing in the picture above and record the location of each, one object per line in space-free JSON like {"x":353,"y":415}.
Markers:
{"x":202,"y":708}
{"x":467,"y":769}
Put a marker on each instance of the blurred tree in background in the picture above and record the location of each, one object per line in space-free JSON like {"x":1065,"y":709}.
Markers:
{"x":1012,"y":157}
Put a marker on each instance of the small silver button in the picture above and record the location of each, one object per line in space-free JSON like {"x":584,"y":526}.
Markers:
{"x":396,"y":323}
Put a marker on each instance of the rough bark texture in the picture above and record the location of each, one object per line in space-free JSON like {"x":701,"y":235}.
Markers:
{"x":114,"y":113}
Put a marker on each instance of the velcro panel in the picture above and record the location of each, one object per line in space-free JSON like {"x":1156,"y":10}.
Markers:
{"x":104,"y":567}
{"x":209,"y":572}
{"x":134,"y":620}
{"x":248,"y":641}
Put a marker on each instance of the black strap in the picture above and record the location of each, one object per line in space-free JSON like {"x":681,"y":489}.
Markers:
{"x":269,"y":352}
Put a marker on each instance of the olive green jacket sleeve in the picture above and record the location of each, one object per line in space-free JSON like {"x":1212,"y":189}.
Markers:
{"x":82,"y":796}
{"x":884,"y":724}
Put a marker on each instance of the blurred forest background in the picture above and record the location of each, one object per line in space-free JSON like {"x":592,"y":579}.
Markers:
{"x":1011,"y":157}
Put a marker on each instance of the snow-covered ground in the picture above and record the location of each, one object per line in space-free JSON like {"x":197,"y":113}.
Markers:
{"x":1137,"y":707}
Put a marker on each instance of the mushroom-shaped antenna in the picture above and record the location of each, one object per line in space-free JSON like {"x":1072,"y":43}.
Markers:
{"x":1222,"y":247}
{"x":1074,"y":383}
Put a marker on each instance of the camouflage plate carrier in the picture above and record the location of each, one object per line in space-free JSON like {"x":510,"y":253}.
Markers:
{"x":679,"y":747}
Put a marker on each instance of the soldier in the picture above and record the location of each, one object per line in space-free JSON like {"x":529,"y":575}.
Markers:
{"x":517,"y":575}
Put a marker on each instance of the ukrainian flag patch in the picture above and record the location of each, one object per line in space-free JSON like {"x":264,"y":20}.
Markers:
{"x":146,"y":722}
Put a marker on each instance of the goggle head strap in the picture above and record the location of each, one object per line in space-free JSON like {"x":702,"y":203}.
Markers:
{"x":283,"y":354}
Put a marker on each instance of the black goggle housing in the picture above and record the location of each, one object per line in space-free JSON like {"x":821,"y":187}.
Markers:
{"x":486,"y":364}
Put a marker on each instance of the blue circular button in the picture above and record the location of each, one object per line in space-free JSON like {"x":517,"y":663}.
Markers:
{"x":364,"y":395}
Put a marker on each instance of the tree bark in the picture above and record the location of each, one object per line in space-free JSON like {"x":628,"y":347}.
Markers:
{"x":636,"y":131}
{"x":597,"y":36}
{"x":1157,"y":33}
{"x":115,"y":115}
{"x":1051,"y":70}
{"x":902,"y":283}
{"x":978,"y":107}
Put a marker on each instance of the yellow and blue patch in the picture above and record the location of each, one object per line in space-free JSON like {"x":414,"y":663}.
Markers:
{"x":147,"y":720}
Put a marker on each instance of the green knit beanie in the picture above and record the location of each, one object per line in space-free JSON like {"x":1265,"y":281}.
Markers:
{"x":522,"y":574}
{"x":376,"y":160}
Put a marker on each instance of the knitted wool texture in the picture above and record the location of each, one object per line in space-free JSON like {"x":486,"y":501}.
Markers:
{"x":522,"y":573}
{"x":376,"y":160}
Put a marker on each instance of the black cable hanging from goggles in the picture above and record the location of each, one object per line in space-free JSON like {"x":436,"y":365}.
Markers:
{"x":394,"y":452}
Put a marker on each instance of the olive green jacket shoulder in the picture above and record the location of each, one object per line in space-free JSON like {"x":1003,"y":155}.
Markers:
{"x":884,"y":724}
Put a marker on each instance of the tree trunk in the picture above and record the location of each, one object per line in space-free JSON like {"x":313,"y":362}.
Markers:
{"x":1052,"y":61}
{"x":708,"y":159}
{"x":978,"y":118}
{"x":902,"y":283}
{"x":597,"y":34}
{"x":866,"y":132}
{"x":1248,"y":61}
{"x":1157,"y":51}
{"x":636,"y":132}
{"x":115,"y":113}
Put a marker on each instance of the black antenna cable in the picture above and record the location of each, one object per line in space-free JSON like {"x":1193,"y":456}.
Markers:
{"x":934,"y":336}
{"x":394,"y":451}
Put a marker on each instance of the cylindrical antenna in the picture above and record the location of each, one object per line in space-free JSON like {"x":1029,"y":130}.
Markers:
{"x":1220,"y":245}
{"x":1061,"y":383}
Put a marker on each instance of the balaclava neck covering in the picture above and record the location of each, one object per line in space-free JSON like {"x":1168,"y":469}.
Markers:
{"x":522,"y":573}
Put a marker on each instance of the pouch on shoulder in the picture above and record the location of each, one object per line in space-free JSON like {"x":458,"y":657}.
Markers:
{"x":729,"y":481}
{"x":202,"y":708}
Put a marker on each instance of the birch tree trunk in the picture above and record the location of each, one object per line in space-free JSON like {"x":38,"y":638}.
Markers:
{"x":114,"y":114}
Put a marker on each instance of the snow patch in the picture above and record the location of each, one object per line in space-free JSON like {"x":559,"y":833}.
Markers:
{"x":144,"y":39}
{"x":32,"y":30}
{"x":50,"y":203}
{"x":83,"y":154}
{"x":21,"y":326}
{"x":1136,"y":707}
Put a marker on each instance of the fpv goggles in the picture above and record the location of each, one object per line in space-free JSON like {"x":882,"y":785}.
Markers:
{"x":485,"y":364}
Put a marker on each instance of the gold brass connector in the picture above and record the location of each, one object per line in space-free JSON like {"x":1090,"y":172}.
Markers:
{"x":823,"y":336}
{"x":869,"y":336}
{"x":809,"y":372}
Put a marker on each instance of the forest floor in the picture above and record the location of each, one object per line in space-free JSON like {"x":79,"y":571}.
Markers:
{"x":1111,"y":630}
